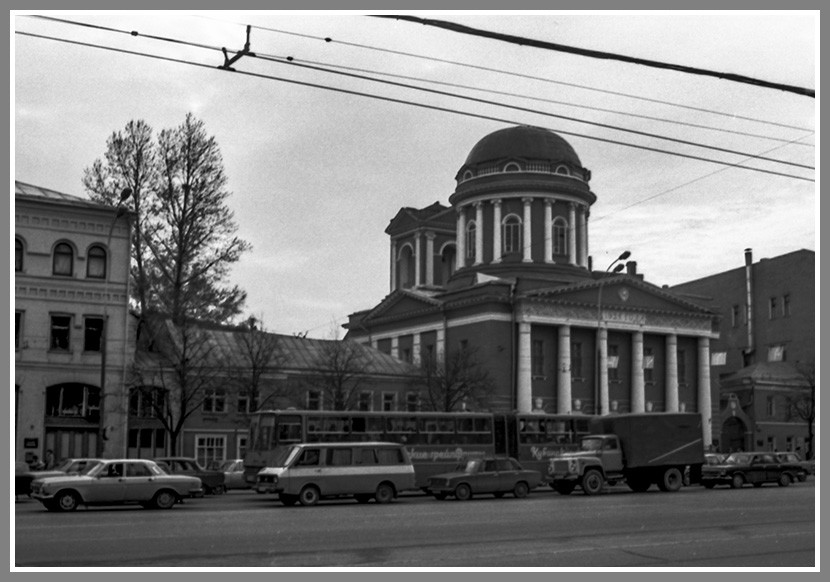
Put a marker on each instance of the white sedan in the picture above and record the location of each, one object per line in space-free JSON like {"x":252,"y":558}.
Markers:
{"x":116,"y":482}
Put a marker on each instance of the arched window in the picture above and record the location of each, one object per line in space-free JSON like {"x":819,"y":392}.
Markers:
{"x":96,"y":262}
{"x":471,"y":239}
{"x":447,"y":263}
{"x":467,"y":175}
{"x":18,"y":254}
{"x":563,"y":170}
{"x":511,"y":234}
{"x":62,"y":260}
{"x":560,"y":236}
{"x":512,"y":167}
{"x":406,"y":267}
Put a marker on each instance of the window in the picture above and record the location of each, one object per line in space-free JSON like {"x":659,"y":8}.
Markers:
{"x":73,"y":400}
{"x":412,"y":402}
{"x":512,"y":167}
{"x":243,"y":403}
{"x":364,"y":401}
{"x":138,"y":470}
{"x":62,"y":260}
{"x":210,"y":448}
{"x":339,"y":457}
{"x":777,"y":353}
{"x":773,"y":307}
{"x":785,"y":305}
{"x":96,"y":263}
{"x":613,"y":363}
{"x":563,"y":170}
{"x":576,"y":360}
{"x":560,"y":236}
{"x":59,"y":338}
{"x":736,"y":315}
{"x":309,"y":457}
{"x":718,"y":359}
{"x":389,"y":456}
{"x":681,"y":367}
{"x":770,"y":406}
{"x":406,"y":355}
{"x":648,"y":365}
{"x":314,"y":400}
{"x":388,"y":401}
{"x":18,"y":328}
{"x":93,"y":332}
{"x":538,"y":358}
{"x":145,"y":401}
{"x":214,"y":401}
{"x":18,"y":255}
{"x":511,"y":234}
{"x":471,"y":239}
{"x":241,"y":446}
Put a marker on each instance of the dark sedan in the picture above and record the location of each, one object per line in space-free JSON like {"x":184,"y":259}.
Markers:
{"x":495,"y":476}
{"x":754,"y":467}
{"x":803,"y":468}
{"x":213,"y":482}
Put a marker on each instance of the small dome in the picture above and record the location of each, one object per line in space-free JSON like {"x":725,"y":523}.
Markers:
{"x":526,"y":142}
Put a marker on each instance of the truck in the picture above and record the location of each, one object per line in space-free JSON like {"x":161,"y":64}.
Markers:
{"x":640,"y":449}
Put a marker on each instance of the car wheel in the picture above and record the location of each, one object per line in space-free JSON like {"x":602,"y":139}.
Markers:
{"x":463,"y":492}
{"x":521,"y":490}
{"x":784,"y":480}
{"x":288,"y":500}
{"x":737,"y":481}
{"x":164,"y":499}
{"x":384,"y":493}
{"x":309,"y":495}
{"x":592,"y":482}
{"x":671,"y":480}
{"x":67,"y":501}
{"x":440,"y":496}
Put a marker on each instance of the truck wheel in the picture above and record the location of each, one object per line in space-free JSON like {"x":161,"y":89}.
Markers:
{"x":563,"y":487}
{"x":672,"y":480}
{"x":592,"y":482}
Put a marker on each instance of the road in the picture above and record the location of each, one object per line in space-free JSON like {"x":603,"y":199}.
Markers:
{"x":694,"y":528}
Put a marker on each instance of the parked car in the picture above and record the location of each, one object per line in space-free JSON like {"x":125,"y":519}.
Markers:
{"x":803,"y":468}
{"x":213,"y":482}
{"x":714,"y":458}
{"x":752,"y":467}
{"x":234,"y":470}
{"x":24,"y":475}
{"x":116,"y":482}
{"x":495,"y":475}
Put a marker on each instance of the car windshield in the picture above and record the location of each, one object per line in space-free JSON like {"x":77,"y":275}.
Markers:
{"x":283,"y":456}
{"x":736,"y":458}
{"x":471,"y":466}
{"x":227,"y":465}
{"x":591,"y":444}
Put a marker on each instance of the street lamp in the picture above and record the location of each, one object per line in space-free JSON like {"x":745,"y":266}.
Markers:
{"x":617,"y":267}
{"x":102,"y":430}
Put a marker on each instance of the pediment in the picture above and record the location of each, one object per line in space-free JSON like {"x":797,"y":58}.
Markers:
{"x":402,"y":302}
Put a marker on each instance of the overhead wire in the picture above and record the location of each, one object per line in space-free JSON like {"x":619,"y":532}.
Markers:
{"x":289,"y":60}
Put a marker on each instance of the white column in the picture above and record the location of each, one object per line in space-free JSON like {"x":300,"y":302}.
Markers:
{"x":496,"y":230}
{"x":638,"y":384}
{"x":527,"y":241}
{"x":563,"y":393}
{"x":671,"y":373}
{"x":548,"y":231}
{"x":394,"y":350}
{"x":417,"y":259}
{"x":439,"y":345}
{"x":582,"y":252}
{"x":585,"y":236}
{"x":430,"y":264}
{"x":603,"y":371}
{"x":460,"y":239}
{"x":393,"y":266}
{"x":479,"y":233}
{"x":416,"y":348}
{"x":572,"y":233}
{"x":523,"y":382}
{"x":704,"y":389}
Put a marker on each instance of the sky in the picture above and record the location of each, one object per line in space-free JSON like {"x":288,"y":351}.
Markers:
{"x":318,"y":163}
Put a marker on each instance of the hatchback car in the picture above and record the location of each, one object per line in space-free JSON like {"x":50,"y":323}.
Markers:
{"x":492,"y":475}
{"x":116,"y":482}
{"x":754,"y":467}
{"x":212,"y":481}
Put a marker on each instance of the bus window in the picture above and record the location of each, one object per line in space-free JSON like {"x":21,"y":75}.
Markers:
{"x":390,"y":456}
{"x":475,"y":431}
{"x":289,"y":429}
{"x":374,"y":428}
{"x":336,"y":457}
{"x":436,"y":430}
{"x":366,"y":456}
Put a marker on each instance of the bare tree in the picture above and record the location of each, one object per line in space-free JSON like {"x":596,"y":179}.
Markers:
{"x":341,"y":368}
{"x":455,"y":382}
{"x":803,"y":405}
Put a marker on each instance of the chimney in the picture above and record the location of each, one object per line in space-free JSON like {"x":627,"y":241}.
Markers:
{"x":750,"y":341}
{"x":631,"y":267}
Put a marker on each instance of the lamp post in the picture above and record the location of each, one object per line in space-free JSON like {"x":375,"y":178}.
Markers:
{"x":102,"y":430}
{"x":617,"y":267}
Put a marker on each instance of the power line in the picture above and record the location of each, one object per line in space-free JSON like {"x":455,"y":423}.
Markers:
{"x":406,"y":102}
{"x":520,"y":40}
{"x":291,"y":60}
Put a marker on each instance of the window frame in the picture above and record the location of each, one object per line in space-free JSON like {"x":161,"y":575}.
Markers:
{"x":59,"y":252}
{"x":19,"y":255}
{"x":511,"y":234}
{"x":52,"y":338}
{"x":95,"y":259}
{"x":215,"y":401}
{"x":559,"y":235}
{"x":101,"y":336}
{"x":470,"y":239}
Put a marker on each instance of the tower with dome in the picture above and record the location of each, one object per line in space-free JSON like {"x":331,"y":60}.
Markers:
{"x":506,"y":270}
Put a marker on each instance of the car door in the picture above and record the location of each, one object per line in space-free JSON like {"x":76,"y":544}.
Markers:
{"x":487,"y":478}
{"x":507,"y":474}
{"x":108,"y":486}
{"x":139,"y":482}
{"x":757,"y":470}
{"x":772,"y":468}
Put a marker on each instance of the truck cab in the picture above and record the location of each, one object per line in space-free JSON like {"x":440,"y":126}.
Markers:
{"x":599,"y":459}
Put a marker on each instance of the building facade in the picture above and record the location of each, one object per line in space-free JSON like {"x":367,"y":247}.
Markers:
{"x":506,"y":269}
{"x":72,"y":348}
{"x":763,"y":363}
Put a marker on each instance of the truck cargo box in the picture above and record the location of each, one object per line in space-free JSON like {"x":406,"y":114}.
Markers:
{"x":655,"y":439}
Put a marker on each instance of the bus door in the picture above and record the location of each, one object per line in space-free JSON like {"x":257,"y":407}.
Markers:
{"x":502,"y":435}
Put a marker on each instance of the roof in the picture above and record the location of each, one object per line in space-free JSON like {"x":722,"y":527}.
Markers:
{"x":768,"y":372}
{"x":525,"y":142}
{"x":22,"y":189}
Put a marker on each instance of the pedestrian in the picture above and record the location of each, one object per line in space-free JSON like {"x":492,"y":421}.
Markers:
{"x":35,"y":464}
{"x":49,"y":460}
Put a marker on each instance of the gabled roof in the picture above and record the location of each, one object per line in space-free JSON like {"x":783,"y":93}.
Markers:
{"x":225,"y":346}
{"x":409,"y":218}
{"x":767,"y":372}
{"x":426,"y":297}
{"x":24,"y":190}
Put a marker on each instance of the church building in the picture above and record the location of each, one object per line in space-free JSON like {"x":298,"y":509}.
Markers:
{"x":505,"y":270}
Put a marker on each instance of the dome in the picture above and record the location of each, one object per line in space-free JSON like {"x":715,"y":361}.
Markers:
{"x":526,"y":142}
